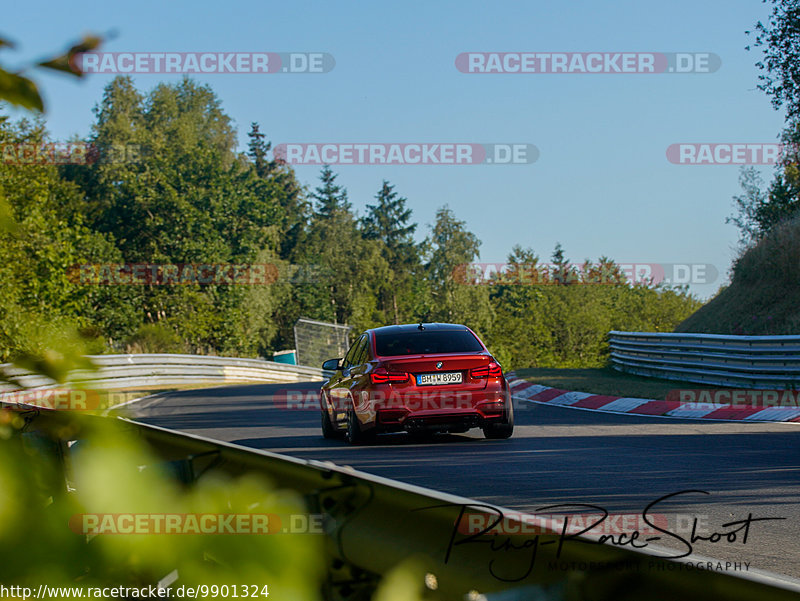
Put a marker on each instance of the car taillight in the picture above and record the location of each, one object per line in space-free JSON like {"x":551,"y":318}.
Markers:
{"x":381,"y":376}
{"x":492,"y":370}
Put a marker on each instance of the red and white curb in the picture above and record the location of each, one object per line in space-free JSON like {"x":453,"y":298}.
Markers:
{"x":522,"y":390}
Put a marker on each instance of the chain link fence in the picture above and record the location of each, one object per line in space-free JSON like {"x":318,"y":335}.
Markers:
{"x":318,"y":341}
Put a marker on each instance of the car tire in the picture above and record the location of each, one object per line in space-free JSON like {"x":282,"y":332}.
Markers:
{"x":354,"y":435}
{"x":498,"y":431}
{"x":328,"y":431}
{"x":504,"y":427}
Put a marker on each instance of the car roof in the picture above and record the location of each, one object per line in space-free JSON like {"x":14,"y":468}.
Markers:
{"x":427,"y":327}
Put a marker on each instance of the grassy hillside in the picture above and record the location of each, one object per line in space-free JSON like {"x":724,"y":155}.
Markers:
{"x":763,"y":297}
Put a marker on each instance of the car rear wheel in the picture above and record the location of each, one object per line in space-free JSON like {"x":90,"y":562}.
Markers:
{"x":498,"y":431}
{"x":504,"y":427}
{"x":328,"y":431}
{"x":354,"y":434}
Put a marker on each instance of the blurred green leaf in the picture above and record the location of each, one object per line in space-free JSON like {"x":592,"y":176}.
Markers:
{"x":66,"y":62}
{"x":111,"y":471}
{"x":53,"y":364}
{"x":54,"y":350}
{"x":406,"y":582}
{"x":20,"y":91}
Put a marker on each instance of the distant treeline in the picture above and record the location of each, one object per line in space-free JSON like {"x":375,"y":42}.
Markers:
{"x":156,"y":234}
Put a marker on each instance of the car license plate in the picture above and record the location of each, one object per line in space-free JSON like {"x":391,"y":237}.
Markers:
{"x":438,"y":379}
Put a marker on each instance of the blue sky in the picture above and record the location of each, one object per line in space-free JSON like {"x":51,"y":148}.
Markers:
{"x":602,"y":184}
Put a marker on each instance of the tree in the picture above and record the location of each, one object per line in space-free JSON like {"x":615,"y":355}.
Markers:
{"x":286,"y":189}
{"x":258,"y":150}
{"x":750,"y":206}
{"x":563,"y":272}
{"x":187,"y":196}
{"x":779,"y":41}
{"x":331,"y":198}
{"x":18,"y":89}
{"x":47,"y":238}
{"x":349,"y":267}
{"x":605,"y":272}
{"x":759,"y":211}
{"x":388,"y":222}
{"x":450,"y":247}
{"x":518,"y":335}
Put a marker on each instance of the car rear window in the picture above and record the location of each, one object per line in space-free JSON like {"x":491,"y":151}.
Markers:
{"x":422,"y":342}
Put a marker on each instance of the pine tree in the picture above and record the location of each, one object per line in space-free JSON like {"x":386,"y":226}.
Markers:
{"x":284,"y":186}
{"x":258,"y":150}
{"x":451,"y":247}
{"x":388,"y":222}
{"x":331,"y":198}
{"x":563,"y":273}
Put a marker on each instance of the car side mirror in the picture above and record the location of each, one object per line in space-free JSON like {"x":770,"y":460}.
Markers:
{"x":331,"y":365}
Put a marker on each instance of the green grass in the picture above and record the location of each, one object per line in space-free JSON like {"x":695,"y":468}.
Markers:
{"x":762,"y":296}
{"x":605,"y":381}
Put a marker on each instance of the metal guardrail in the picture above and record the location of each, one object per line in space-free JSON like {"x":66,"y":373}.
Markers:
{"x":153,"y":370}
{"x":758,"y":362}
{"x":376,"y":523}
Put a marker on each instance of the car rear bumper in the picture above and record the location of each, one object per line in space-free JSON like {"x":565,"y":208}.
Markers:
{"x":447,"y":422}
{"x":420,"y":409}
{"x":489,"y":407}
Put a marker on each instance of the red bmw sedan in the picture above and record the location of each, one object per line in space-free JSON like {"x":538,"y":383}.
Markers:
{"x":418,"y":378}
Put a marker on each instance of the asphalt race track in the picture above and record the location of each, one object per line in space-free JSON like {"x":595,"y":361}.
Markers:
{"x":556,"y":456}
